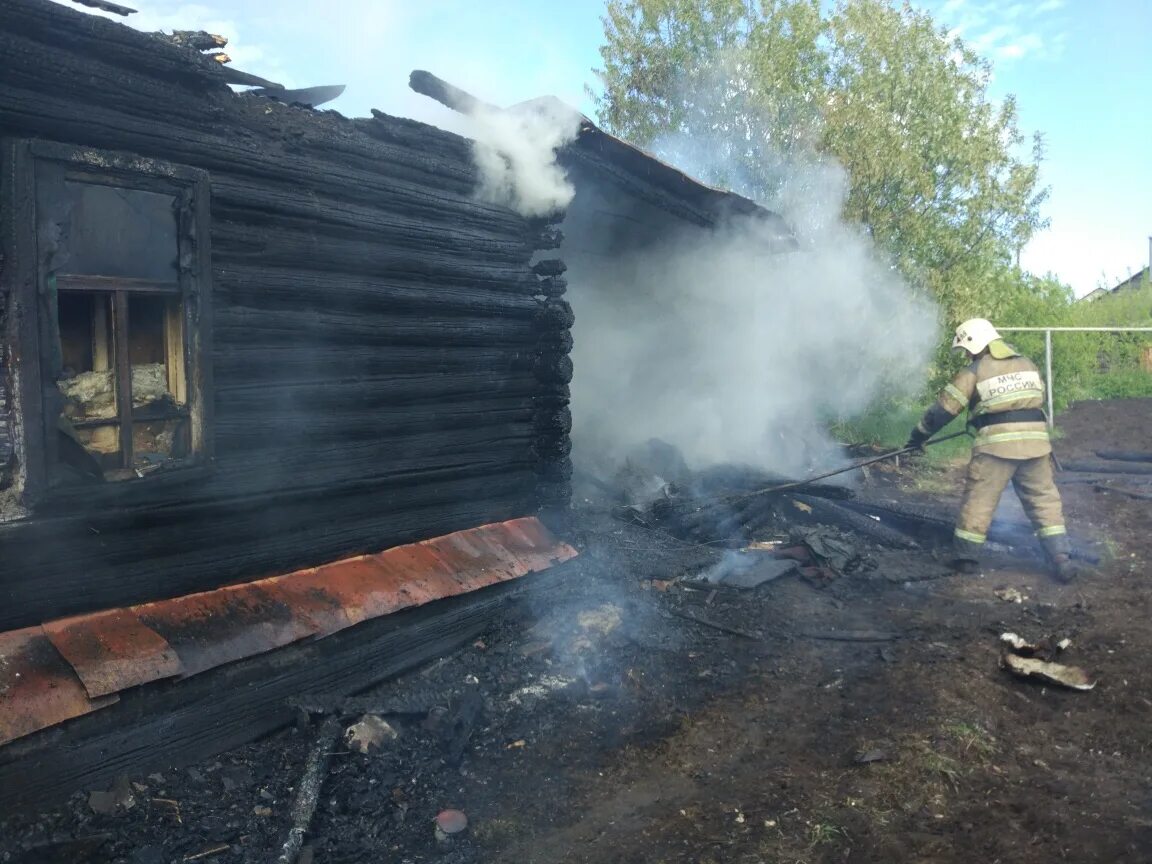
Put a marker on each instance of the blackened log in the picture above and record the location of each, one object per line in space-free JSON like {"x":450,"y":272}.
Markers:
{"x":828,"y":513}
{"x":554,"y":342}
{"x":291,"y":246}
{"x":555,"y":286}
{"x":282,"y":364}
{"x":553,"y":368}
{"x":313,"y":428}
{"x":198,"y":40}
{"x":558,"y":471}
{"x":267,"y":328}
{"x":552,"y":447}
{"x":283,"y":206}
{"x":555,"y":315}
{"x":558,"y":420}
{"x":1090,"y":479}
{"x":232,"y":75}
{"x":1125,"y":455}
{"x":447,"y":147}
{"x":297,"y":290}
{"x":308,"y":790}
{"x":1106,"y":467}
{"x":365,"y":394}
{"x":313,"y":464}
{"x":446,"y":94}
{"x":549,"y":267}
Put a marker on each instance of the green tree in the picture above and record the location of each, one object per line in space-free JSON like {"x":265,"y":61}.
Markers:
{"x":934,"y":164}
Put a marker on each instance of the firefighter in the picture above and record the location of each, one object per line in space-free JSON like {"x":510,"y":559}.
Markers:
{"x":1003,"y":393}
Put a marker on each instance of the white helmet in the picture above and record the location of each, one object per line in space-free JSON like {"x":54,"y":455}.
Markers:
{"x":974,"y":335}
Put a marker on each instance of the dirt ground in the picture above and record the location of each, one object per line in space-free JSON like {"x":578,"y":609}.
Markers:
{"x":598,"y":723}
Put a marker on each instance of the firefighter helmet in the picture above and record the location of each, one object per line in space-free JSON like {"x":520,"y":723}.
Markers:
{"x":974,"y":335}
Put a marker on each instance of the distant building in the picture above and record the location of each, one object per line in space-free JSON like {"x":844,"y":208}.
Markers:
{"x":1132,"y":283}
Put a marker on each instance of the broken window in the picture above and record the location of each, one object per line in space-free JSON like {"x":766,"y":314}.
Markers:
{"x":120,"y":245}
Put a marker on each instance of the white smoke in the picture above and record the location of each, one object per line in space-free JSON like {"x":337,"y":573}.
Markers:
{"x":515,"y":151}
{"x":717,"y":345}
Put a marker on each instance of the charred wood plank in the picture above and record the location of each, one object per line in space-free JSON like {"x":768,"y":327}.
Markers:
{"x":1125,"y":455}
{"x":281,"y":205}
{"x":232,"y":75}
{"x":261,"y":287}
{"x":304,"y":329}
{"x":282,"y":364}
{"x":308,"y":790}
{"x":828,"y":513}
{"x":387,"y":427}
{"x":364,"y":394}
{"x":1107,"y":467}
{"x":427,"y":84}
{"x":295,"y":245}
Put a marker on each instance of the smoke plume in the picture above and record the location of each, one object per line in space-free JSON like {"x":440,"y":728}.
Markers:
{"x":712,"y":342}
{"x":515,"y":151}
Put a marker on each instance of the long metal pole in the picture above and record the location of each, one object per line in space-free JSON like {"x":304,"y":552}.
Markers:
{"x":1048,"y":375}
{"x":1075,"y":329}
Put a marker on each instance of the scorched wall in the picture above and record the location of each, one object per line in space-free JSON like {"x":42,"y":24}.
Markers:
{"x":380,"y":363}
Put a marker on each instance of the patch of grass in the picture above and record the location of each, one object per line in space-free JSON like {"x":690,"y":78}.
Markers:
{"x":971,"y":738}
{"x":935,"y":763}
{"x":824,"y":833}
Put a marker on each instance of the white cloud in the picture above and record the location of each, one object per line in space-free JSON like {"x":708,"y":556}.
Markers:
{"x":1004,"y":32}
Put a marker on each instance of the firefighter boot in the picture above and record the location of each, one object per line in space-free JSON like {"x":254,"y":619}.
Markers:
{"x":965,"y":556}
{"x":1059,"y":552}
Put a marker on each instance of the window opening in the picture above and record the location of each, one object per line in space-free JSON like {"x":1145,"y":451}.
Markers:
{"x":115,"y":269}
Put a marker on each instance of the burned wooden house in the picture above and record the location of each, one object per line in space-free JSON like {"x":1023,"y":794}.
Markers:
{"x":266,"y":374}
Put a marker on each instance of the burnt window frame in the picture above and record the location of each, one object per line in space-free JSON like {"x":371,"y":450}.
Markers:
{"x":33,"y":322}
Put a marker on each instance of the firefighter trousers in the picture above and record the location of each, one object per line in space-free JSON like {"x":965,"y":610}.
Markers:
{"x":1035,"y":486}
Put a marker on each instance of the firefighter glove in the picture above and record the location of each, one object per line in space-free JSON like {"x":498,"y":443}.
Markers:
{"x":916,"y":440}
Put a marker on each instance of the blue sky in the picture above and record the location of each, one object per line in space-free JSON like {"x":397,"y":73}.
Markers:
{"x":1079,"y":69}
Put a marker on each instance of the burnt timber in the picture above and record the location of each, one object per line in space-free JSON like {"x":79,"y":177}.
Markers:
{"x":385,"y":366}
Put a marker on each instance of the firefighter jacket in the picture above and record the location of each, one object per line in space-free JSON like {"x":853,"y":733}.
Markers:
{"x":1004,"y":395}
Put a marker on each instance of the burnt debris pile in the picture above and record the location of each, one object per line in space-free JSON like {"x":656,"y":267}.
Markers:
{"x":732,"y":505}
{"x":745,"y":508}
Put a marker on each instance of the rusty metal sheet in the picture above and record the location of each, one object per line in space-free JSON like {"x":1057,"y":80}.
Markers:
{"x":343,"y":593}
{"x":112,"y":651}
{"x":37,"y":686}
{"x":217,"y":627}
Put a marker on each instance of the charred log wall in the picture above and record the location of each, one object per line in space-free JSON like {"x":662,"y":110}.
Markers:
{"x":387,"y":364}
